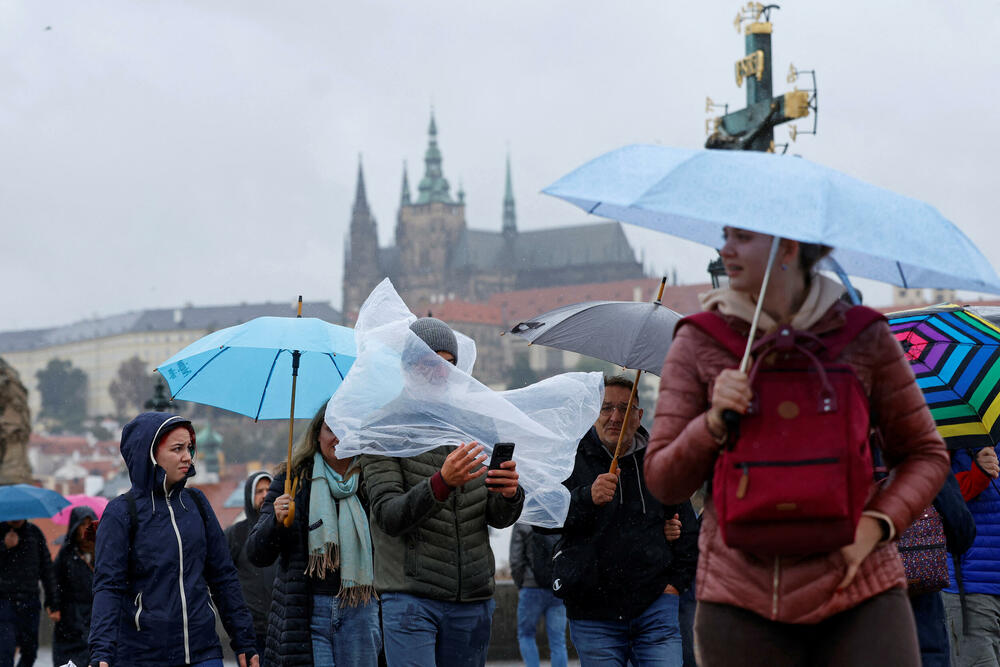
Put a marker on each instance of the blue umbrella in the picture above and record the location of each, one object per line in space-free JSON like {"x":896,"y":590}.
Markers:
{"x":693,"y":194}
{"x":248,"y":368}
{"x":23,"y":501}
{"x":254,"y":369}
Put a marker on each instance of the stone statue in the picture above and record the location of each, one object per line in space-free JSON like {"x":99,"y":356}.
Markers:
{"x":15,"y":427}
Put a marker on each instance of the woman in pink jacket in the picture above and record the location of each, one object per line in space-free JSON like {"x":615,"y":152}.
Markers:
{"x":846,"y":607}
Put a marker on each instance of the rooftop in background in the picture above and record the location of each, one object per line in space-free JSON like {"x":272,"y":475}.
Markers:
{"x":508,"y":308}
{"x":207,"y":318}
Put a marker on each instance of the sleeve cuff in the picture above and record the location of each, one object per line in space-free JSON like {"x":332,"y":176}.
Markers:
{"x":884,"y":518}
{"x":440,"y":487}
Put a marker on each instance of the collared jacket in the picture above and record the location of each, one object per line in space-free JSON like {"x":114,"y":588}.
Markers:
{"x":151,"y":589}
{"x":682,"y":456}
{"x":22,"y":567}
{"x":427,"y":547}
{"x":632,"y":560}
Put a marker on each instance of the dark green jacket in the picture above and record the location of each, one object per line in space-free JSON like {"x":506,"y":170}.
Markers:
{"x":427,"y":548}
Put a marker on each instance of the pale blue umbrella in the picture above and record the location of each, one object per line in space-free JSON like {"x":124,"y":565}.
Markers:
{"x":267,"y":368}
{"x":694,"y":194}
{"x":24,"y":501}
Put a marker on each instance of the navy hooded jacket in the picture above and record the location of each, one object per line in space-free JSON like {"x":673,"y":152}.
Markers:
{"x":151,"y":601}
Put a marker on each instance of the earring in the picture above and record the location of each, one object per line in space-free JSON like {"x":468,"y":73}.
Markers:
{"x":784,"y":267}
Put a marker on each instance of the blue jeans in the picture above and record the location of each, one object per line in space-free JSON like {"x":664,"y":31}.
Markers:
{"x":19,"y":627}
{"x":652,"y":639}
{"x":343,"y":635}
{"x":420,"y":632}
{"x":531,"y":604}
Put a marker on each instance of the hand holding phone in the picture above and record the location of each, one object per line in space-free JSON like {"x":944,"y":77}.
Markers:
{"x":502,"y":475}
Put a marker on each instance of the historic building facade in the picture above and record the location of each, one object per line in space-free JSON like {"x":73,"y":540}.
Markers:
{"x":437,"y":257}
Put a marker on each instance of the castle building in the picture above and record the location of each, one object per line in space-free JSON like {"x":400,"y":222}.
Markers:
{"x":437,"y":257}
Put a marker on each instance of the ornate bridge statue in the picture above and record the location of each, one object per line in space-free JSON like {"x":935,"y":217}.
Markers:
{"x":15,"y":427}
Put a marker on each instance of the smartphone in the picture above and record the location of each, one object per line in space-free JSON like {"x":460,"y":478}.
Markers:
{"x":502,"y":452}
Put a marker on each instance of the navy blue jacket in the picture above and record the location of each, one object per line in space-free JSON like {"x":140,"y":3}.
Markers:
{"x":151,"y":598}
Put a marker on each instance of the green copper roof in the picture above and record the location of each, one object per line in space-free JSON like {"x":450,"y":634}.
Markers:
{"x":433,"y":186}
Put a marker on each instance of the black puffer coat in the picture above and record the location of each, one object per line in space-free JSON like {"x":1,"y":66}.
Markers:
{"x":74,"y":582}
{"x":288,"y":637}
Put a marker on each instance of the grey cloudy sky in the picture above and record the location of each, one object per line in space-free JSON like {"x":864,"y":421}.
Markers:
{"x":157,"y":153}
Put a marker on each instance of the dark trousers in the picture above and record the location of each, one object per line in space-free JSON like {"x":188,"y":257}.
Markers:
{"x":19,"y":628}
{"x":932,"y":629}
{"x":877,"y":633}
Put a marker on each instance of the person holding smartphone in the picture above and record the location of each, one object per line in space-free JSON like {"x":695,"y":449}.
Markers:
{"x":429,"y":520}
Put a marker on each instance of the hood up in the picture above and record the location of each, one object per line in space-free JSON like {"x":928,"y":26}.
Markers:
{"x":76,"y":517}
{"x":139,"y":439}
{"x":248,"y":488}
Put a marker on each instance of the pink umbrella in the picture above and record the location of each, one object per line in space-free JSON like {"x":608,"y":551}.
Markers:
{"x":95,"y":503}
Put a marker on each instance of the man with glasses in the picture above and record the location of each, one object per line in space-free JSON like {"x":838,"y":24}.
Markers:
{"x":624,"y":557}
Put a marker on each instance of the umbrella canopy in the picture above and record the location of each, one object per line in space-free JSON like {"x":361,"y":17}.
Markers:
{"x":694,"y":194}
{"x":95,"y":503}
{"x":955,"y":355}
{"x":633,"y":334}
{"x":23,"y":501}
{"x":248,"y":368}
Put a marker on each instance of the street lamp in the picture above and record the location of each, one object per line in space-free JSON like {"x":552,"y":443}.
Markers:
{"x":716,"y":270}
{"x":161,"y":399}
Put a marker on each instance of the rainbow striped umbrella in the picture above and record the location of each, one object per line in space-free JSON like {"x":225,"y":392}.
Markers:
{"x":955,"y":355}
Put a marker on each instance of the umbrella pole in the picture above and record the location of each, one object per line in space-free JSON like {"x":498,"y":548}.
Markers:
{"x":628,"y":412}
{"x":631,"y":398}
{"x":290,"y":486}
{"x":729,"y":417}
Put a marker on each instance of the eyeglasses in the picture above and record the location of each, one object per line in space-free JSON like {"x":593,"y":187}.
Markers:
{"x":607,"y":409}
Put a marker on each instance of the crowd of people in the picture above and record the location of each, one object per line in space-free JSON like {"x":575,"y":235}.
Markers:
{"x":387,"y":560}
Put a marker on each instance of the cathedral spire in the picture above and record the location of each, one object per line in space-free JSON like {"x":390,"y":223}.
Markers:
{"x":404,"y":198}
{"x":509,"y":216}
{"x":433,"y":186}
{"x":360,"y":197}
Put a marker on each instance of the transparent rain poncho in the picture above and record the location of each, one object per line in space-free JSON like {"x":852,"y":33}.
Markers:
{"x":401,"y":399}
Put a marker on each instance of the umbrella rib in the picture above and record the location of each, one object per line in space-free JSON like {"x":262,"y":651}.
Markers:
{"x":263,"y":392}
{"x":335,"y":366}
{"x":195,"y":374}
{"x":899,"y":268}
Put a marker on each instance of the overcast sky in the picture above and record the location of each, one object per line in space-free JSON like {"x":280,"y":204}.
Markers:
{"x":159,"y":153}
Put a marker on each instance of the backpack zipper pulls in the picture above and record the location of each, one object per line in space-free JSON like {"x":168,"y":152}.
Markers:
{"x":741,"y":488}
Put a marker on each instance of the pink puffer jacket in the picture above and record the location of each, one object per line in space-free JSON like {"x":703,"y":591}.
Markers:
{"x":682,"y":453}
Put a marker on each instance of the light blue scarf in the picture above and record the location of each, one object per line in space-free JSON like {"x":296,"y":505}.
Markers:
{"x":340,"y":540}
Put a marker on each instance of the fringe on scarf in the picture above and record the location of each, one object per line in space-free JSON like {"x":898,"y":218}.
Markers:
{"x":321,"y":563}
{"x":329,"y":561}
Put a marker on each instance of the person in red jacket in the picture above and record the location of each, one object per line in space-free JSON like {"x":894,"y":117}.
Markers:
{"x":846,"y":607}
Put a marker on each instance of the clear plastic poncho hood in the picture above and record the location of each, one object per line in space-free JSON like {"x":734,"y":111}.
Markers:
{"x":402,"y":399}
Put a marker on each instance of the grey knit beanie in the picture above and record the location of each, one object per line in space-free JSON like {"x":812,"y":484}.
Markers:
{"x":436,"y":334}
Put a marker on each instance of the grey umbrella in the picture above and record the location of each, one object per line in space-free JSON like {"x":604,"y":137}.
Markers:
{"x":633,"y":334}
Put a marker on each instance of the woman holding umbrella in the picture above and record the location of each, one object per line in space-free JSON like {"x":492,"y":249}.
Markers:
{"x":848,"y":606}
{"x":324,"y":610}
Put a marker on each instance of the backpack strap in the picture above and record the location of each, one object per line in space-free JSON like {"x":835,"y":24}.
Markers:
{"x":712,"y":324}
{"x":199,"y":501}
{"x":858,"y":318}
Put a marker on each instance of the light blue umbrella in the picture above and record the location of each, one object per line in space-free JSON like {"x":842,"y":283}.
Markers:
{"x":693,"y":194}
{"x":248,"y":368}
{"x":267,"y":368}
{"x":23,"y":501}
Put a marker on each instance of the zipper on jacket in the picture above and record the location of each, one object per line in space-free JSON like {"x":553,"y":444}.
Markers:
{"x":922,"y":547}
{"x":138,"y":610}
{"x":458,"y":544}
{"x":774,"y":594}
{"x":180,"y":581}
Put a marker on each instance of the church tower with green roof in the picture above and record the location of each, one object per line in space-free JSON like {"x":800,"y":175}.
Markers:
{"x":427,"y":230}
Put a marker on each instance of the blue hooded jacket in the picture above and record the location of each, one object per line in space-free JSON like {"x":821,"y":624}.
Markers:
{"x":981,"y":563}
{"x":151,"y":602}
